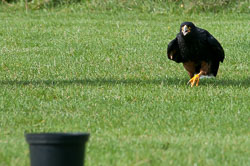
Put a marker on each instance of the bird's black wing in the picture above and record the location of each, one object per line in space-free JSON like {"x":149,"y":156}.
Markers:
{"x":216,"y":47}
{"x":173,"y":51}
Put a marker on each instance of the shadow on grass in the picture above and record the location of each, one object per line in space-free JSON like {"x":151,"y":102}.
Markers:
{"x":110,"y":81}
{"x":227,"y":82}
{"x":93,"y":82}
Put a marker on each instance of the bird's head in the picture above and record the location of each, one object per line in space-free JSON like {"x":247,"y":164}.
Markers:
{"x":187,"y":28}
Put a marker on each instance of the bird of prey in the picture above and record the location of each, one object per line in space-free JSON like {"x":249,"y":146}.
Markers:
{"x":198,"y":50}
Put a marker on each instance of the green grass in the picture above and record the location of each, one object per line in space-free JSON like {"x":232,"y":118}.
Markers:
{"x":151,"y":6}
{"x":107,"y":74}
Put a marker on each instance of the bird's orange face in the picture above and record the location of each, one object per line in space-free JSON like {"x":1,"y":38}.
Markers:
{"x":185,"y":29}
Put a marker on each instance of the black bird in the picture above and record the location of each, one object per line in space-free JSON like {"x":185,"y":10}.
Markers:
{"x":198,"y":50}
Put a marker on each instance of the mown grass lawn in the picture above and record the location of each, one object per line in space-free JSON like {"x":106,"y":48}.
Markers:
{"x":108,"y":74}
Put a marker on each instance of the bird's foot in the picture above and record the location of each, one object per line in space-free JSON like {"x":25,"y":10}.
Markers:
{"x":194,"y":80}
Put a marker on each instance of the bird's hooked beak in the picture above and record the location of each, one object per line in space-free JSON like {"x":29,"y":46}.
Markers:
{"x":185,"y":30}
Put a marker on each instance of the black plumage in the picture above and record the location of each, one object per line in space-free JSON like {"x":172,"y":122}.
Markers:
{"x":198,"y":50}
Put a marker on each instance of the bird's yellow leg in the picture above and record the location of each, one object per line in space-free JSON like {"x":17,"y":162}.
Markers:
{"x":203,"y":71}
{"x":194,"y":80}
{"x":197,"y":81}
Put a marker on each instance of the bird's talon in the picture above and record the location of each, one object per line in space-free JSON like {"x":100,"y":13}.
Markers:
{"x":197,"y":83}
{"x":194,"y":80}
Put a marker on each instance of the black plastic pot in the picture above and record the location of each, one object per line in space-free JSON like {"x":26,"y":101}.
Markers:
{"x":57,"y":149}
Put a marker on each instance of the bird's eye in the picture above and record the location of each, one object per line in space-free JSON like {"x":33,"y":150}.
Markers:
{"x":189,"y":28}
